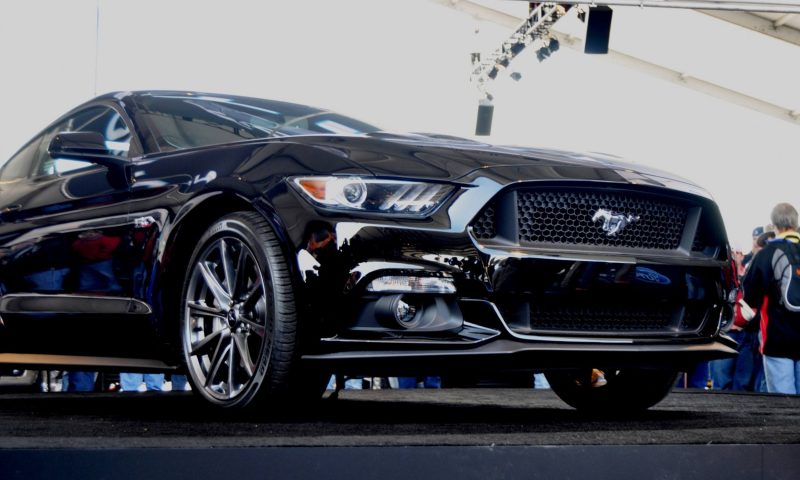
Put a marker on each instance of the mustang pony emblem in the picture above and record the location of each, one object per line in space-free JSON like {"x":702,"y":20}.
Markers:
{"x":613,"y":223}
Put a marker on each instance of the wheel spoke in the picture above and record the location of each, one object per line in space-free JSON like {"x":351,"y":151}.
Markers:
{"x":220,"y":354}
{"x":201,"y":345}
{"x":222,"y":296}
{"x":244,"y":352}
{"x":227,"y":266}
{"x":200,"y":310}
{"x":231,"y":350}
{"x":253,"y":294}
{"x":256,"y":328}
{"x":239,"y":276}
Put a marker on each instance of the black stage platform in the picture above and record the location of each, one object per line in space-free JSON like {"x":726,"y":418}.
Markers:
{"x":388,"y":434}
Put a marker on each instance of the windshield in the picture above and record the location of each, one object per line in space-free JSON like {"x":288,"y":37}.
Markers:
{"x":182,"y":121}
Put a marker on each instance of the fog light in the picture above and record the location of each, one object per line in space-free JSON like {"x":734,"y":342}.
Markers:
{"x":404,"y":284}
{"x":404,"y":313}
{"x":394,"y":308}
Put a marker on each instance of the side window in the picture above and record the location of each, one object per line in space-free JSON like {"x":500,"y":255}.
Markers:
{"x":20,"y":164}
{"x":103,"y":120}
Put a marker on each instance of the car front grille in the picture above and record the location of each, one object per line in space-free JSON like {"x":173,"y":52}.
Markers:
{"x":593,"y":319}
{"x":572,"y":217}
{"x":566,"y":217}
{"x":484,"y":226}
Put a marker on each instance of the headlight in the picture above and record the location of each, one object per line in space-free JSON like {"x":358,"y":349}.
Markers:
{"x":373,"y":195}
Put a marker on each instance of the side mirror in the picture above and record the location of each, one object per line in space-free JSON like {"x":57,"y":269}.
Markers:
{"x":90,"y":147}
{"x":78,"y":145}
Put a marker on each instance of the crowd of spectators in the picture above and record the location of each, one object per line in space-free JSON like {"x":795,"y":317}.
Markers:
{"x":766,"y":326}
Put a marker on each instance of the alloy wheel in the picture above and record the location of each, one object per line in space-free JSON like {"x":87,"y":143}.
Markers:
{"x":227,"y":322}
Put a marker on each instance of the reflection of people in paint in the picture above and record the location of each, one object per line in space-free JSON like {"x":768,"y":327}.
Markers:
{"x":95,"y":273}
{"x":96,"y":270}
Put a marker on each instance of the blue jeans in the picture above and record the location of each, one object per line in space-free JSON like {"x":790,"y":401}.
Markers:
{"x":78,"y":382}
{"x":130,"y":381}
{"x":783,"y":375}
{"x":178,"y":383}
{"x":427,"y":382}
{"x":743,"y":371}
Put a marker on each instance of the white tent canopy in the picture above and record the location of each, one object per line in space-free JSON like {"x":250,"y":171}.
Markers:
{"x":406,"y":66}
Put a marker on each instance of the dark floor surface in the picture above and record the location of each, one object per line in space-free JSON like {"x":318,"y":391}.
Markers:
{"x":448,"y":417}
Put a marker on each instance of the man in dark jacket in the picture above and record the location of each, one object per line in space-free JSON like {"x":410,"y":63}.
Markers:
{"x":780,"y":329}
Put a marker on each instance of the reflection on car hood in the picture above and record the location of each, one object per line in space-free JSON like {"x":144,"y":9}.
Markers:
{"x":447,"y":158}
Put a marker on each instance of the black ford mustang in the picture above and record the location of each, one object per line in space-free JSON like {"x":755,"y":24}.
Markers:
{"x":261,"y":245}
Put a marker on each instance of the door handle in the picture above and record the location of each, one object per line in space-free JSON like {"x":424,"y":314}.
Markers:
{"x":11,"y":208}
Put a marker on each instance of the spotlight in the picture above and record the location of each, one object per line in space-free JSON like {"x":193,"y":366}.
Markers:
{"x":483,"y":127}
{"x":598,"y":30}
{"x":542,"y":53}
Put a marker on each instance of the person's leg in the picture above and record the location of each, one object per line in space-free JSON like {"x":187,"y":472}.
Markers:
{"x":406,"y":382}
{"x":745,"y":372}
{"x":433,"y":382}
{"x":698,"y":377}
{"x":780,"y":375}
{"x":797,"y":376}
{"x":178,"y":383}
{"x":154,"y":381}
{"x":540,"y":382}
{"x":722,"y":373}
{"x":81,"y":381}
{"x":129,"y":382}
{"x":354,"y":384}
{"x":723,"y":370}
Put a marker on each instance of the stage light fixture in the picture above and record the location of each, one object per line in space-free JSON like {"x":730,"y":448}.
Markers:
{"x":483,"y":126}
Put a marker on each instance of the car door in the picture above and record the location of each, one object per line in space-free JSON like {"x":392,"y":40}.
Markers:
{"x":65,"y":249}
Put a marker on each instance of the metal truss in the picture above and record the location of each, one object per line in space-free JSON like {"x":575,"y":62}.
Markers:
{"x":535,"y":27}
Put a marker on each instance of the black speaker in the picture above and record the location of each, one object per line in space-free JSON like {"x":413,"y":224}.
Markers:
{"x":598,"y":30}
{"x":484,"y":125}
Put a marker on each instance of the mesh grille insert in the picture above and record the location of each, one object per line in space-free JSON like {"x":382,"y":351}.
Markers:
{"x":484,"y":226}
{"x":601,"y":319}
{"x":605,"y":319}
{"x":565,"y":217}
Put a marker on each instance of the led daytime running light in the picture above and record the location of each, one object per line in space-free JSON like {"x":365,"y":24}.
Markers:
{"x":405,"y":284}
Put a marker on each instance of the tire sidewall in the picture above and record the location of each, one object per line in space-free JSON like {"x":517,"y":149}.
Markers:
{"x":237,"y":226}
{"x":627,"y":391}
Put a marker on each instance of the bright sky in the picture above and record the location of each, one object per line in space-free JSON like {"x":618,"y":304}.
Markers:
{"x":405,"y":66}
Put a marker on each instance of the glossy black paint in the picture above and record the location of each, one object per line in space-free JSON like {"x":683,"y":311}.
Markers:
{"x":67,"y":241}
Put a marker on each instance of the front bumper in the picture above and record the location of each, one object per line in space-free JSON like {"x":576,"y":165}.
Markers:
{"x":514,"y":307}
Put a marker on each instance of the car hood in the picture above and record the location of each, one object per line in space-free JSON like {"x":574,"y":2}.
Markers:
{"x":446,"y":158}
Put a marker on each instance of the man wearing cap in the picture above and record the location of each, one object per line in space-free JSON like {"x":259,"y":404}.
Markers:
{"x":757,"y":232}
{"x":780,"y":330}
{"x":746,"y":371}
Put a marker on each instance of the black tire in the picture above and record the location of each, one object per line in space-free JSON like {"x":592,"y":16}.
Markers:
{"x":625,"y":390}
{"x":238,"y":314}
